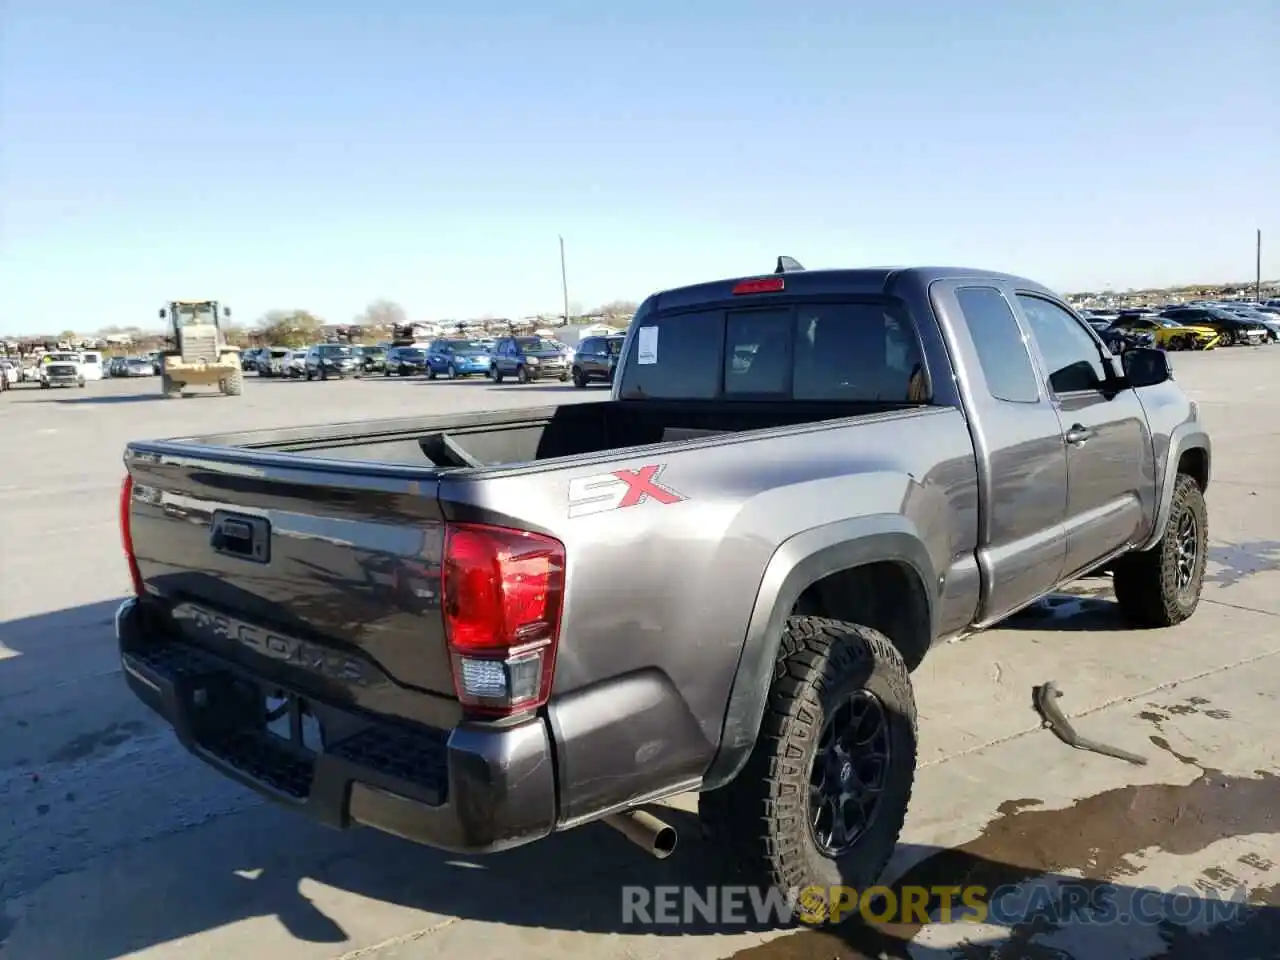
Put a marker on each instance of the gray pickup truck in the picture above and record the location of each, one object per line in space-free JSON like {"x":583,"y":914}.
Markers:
{"x":476,"y":631}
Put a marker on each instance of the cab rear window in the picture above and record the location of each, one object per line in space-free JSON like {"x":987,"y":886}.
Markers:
{"x":833,"y":351}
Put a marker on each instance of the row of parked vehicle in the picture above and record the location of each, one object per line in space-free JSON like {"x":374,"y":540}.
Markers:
{"x":57,"y":368}
{"x":1190,"y":326}
{"x":520,"y":358}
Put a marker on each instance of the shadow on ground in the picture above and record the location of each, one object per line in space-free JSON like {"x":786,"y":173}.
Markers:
{"x":585,"y":880}
{"x":113,"y":399}
{"x":269,"y":862}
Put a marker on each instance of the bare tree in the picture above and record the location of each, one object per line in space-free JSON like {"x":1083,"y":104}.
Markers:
{"x":289,"y":328}
{"x":383,"y":315}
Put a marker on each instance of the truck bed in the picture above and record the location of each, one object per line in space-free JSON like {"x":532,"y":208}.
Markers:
{"x":354,"y":517}
{"x":510,"y":438}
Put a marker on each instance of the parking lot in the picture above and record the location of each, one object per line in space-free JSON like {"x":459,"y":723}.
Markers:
{"x":117,"y":843}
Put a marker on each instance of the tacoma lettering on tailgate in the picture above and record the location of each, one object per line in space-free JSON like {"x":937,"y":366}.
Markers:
{"x":308,"y":656}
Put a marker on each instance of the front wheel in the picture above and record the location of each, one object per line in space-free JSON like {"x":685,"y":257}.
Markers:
{"x":452,"y":372}
{"x":824,"y":793}
{"x":579,"y":378}
{"x":498,"y":375}
{"x":1161,"y":587}
{"x":522,"y":374}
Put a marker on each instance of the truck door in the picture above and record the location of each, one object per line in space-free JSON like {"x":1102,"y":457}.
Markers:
{"x":1017,"y":438}
{"x":1111,"y":483}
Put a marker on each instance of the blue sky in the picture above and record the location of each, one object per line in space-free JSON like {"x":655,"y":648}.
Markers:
{"x":324,"y":154}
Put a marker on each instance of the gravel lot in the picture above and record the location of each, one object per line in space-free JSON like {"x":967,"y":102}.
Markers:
{"x":114,"y":842}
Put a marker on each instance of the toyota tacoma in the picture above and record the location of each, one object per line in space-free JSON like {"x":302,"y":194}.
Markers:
{"x":475,"y":631}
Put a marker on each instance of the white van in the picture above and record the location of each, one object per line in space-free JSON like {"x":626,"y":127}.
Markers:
{"x":91,"y":366}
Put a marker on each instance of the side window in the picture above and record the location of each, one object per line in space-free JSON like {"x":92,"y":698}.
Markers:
{"x":997,"y":339}
{"x":587,"y":348}
{"x":1071,"y":356}
{"x":857,"y":352}
{"x":757,"y":352}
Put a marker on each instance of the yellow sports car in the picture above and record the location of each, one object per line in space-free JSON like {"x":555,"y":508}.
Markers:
{"x":1170,"y":335}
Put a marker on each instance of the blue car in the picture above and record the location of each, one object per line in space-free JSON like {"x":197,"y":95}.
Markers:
{"x":457,"y":358}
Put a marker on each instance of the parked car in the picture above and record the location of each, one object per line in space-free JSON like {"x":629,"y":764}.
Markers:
{"x":1234,"y":330}
{"x":296,"y":364}
{"x":405,"y":361}
{"x":1166,"y":333}
{"x":528,"y":359}
{"x":92,"y":366}
{"x":611,"y":610}
{"x":10,"y":373}
{"x":325,"y":360}
{"x":1257,"y":317}
{"x":457,"y":358}
{"x":137,"y":367}
{"x":371,"y":360}
{"x":271,"y":362}
{"x":596,"y":359}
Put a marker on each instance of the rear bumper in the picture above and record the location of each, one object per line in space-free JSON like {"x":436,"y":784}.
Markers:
{"x":475,"y":789}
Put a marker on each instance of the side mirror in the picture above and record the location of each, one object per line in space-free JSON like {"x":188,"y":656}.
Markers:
{"x":1146,"y":367}
{"x":226,"y":311}
{"x":163,"y":313}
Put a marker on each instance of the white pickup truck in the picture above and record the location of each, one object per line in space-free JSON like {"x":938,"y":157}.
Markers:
{"x":61,"y":369}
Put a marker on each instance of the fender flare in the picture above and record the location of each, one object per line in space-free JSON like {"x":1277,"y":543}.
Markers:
{"x":1185,"y":436}
{"x":798,"y":562}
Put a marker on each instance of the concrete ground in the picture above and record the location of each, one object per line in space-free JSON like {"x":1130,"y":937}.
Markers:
{"x":114,"y":842}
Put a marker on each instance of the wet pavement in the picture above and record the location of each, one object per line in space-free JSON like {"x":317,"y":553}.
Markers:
{"x":115,"y":843}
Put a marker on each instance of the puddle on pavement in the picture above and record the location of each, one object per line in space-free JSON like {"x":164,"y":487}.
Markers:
{"x":1239,"y":561}
{"x":1103,"y":837}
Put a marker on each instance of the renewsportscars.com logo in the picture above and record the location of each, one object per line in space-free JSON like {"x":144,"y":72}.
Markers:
{"x":1046,"y":900}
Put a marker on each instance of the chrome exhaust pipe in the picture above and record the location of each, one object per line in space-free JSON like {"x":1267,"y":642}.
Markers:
{"x":656,"y":837}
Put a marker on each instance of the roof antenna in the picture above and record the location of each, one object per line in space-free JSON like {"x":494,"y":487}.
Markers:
{"x":787,"y":265}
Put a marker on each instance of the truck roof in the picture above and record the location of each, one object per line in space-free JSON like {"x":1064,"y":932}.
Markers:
{"x":857,"y":281}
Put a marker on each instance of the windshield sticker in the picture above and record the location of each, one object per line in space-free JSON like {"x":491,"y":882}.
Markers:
{"x":647,"y":345}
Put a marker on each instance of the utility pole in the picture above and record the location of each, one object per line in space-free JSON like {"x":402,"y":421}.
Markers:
{"x":564,"y":282}
{"x":1257,"y":271}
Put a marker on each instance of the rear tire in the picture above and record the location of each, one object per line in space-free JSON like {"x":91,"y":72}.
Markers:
{"x":832,"y":679}
{"x":1161,"y":587}
{"x":168,"y":388}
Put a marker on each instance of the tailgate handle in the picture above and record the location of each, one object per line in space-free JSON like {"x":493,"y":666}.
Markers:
{"x":237,"y":535}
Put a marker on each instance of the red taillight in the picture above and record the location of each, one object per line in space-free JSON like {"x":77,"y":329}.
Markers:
{"x":767,"y":285}
{"x":502,"y":594}
{"x":126,"y":533}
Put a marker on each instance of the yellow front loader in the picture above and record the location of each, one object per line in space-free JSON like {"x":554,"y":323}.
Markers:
{"x":199,"y":355}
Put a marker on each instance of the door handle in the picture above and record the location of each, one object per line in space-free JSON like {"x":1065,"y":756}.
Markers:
{"x":1078,"y":434}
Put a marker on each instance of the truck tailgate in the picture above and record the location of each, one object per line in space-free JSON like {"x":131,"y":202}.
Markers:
{"x":321,"y":575}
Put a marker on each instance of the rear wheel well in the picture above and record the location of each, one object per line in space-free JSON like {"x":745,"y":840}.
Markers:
{"x":1195,"y":464}
{"x":887,"y":596}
